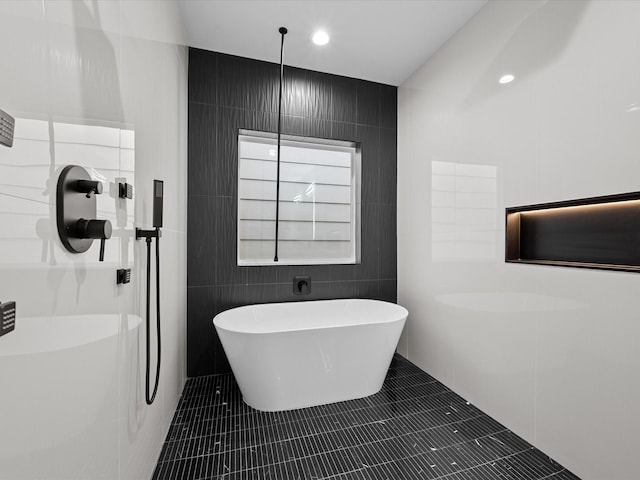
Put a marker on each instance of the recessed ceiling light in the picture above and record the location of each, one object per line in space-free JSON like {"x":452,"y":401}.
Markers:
{"x":320,"y":37}
{"x":272,"y":152}
{"x":508,"y":78}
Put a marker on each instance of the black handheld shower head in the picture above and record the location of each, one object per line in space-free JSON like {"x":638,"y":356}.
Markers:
{"x":158,"y":195}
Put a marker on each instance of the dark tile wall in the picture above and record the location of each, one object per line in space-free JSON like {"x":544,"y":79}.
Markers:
{"x":228,"y":93}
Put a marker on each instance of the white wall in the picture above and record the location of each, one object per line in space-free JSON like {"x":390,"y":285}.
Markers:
{"x":554,"y":353}
{"x":103,"y":85}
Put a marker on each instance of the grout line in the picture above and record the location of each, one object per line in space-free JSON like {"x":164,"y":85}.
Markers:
{"x":554,"y":474}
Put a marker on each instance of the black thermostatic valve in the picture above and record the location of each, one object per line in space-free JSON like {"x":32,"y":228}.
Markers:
{"x":76,"y":211}
{"x":7,"y":317}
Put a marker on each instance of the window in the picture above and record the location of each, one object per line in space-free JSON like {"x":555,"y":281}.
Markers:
{"x":319,"y":200}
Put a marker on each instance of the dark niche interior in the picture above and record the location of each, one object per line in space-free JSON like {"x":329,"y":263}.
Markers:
{"x":598,"y":232}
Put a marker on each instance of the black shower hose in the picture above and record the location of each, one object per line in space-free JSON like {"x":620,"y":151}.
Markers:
{"x":151,"y":398}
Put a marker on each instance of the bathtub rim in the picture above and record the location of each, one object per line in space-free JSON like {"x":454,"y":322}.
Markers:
{"x":401,"y":314}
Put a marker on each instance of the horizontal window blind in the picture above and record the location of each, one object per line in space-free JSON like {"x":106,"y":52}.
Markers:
{"x":317,"y":202}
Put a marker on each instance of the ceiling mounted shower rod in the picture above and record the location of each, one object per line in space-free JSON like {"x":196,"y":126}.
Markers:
{"x":283,"y":32}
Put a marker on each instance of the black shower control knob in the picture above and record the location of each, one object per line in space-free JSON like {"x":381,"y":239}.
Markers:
{"x":93,"y":228}
{"x":89,"y":187}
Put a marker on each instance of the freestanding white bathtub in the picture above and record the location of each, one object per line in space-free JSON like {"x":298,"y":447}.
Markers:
{"x":300,"y":354}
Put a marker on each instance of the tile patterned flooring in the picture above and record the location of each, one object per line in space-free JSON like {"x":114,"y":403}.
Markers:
{"x":414,"y":428}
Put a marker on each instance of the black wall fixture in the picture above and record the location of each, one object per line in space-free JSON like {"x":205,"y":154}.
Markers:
{"x":149,"y":235}
{"x":7,"y":125}
{"x":597,"y":232}
{"x":228,"y":93}
{"x":76,"y":211}
{"x":283,"y":32}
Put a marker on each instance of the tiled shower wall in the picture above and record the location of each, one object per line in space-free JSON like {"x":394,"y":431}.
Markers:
{"x":228,"y":93}
{"x":551,"y":352}
{"x":103,"y":85}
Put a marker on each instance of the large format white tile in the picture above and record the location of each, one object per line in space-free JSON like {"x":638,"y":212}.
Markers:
{"x":587,"y":364}
{"x":60,"y":390}
{"x":494,"y":353}
{"x":75,"y":382}
{"x":551,"y":352}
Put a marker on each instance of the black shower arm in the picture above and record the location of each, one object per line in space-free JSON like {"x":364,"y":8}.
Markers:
{"x":283,"y":32}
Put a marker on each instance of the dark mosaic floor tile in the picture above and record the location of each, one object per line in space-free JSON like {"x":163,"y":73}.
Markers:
{"x":403,"y":381}
{"x":562,"y":475}
{"x":409,"y":392}
{"x":413,"y":428}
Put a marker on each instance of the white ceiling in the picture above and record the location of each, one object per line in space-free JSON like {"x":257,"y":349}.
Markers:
{"x":379,"y":40}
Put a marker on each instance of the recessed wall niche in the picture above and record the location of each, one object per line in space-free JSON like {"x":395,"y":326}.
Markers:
{"x":597,"y":232}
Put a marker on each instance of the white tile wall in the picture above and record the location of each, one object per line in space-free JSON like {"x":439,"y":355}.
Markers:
{"x":102,"y":85}
{"x":551,"y":352}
